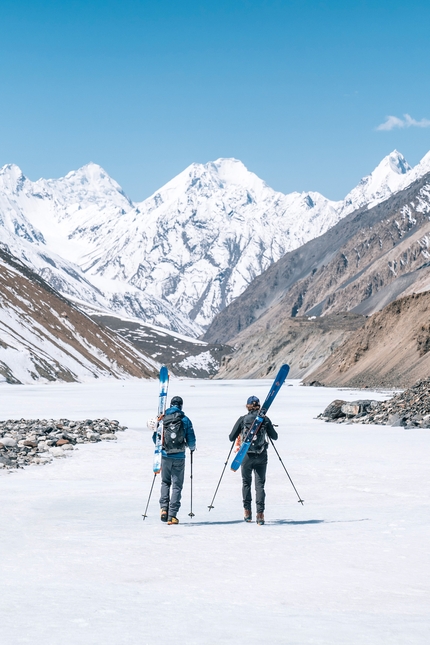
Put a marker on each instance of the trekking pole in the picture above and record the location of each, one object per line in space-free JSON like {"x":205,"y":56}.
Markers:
{"x":191,"y":514}
{"x":300,"y":499}
{"x":150,"y":493}
{"x":222,"y":474}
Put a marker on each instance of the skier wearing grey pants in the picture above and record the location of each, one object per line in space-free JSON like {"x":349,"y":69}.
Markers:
{"x":172,"y":477}
{"x":255,"y":460}
{"x":178,"y":433}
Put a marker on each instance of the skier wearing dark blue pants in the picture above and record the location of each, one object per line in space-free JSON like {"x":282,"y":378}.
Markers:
{"x":178,"y":433}
{"x":255,"y":460}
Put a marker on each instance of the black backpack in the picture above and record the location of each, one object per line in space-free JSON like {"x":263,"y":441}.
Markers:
{"x":259,"y":443}
{"x":173,"y":433}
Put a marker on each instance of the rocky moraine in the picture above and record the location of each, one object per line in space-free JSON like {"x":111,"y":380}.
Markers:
{"x":410,"y":409}
{"x":39,"y":441}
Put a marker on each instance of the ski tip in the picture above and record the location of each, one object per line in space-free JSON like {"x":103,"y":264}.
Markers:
{"x":164,"y":373}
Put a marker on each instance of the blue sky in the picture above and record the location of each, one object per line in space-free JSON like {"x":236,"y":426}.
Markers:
{"x":295,"y":89}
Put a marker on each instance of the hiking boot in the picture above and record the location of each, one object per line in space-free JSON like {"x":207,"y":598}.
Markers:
{"x":260,"y":518}
{"x":173,"y":520}
{"x":247,"y":515}
{"x":163,"y":515}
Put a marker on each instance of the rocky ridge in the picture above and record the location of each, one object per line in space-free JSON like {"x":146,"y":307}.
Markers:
{"x":38,"y":441}
{"x":367,"y":260}
{"x":183,"y":356}
{"x":410,"y":409}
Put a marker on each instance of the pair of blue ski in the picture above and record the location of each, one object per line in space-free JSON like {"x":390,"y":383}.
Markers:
{"x":162,"y":400}
{"x":246,"y":443}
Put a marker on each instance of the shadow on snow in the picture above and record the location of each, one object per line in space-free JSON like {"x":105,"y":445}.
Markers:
{"x":275,"y":522}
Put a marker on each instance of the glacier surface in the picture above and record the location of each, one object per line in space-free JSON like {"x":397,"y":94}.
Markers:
{"x":350,"y":566}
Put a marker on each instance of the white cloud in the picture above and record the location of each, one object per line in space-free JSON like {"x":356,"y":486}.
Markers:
{"x":407,"y":122}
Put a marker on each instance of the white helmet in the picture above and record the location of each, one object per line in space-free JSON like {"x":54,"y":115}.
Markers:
{"x":152,"y":424}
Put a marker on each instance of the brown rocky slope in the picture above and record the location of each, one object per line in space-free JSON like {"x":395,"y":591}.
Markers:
{"x":43,"y":336}
{"x":304,"y":343}
{"x":391,"y":350}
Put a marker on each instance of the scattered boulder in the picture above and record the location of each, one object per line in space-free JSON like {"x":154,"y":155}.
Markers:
{"x":408,"y":409}
{"x":360,"y":407}
{"x":39,"y":441}
{"x":342,"y":410}
{"x":350,"y":409}
{"x":334,"y":410}
{"x":9,"y":442}
{"x":57,"y":451}
{"x":395,"y":420}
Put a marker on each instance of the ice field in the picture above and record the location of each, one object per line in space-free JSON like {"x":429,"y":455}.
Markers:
{"x":350,"y":567}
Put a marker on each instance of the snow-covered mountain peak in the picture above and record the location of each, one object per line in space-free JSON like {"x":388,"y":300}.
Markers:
{"x":387,"y":172}
{"x":397,"y":162}
{"x":233,"y":172}
{"x":90,"y":173}
{"x":388,"y":177}
{"x":90,"y":183}
{"x":12,"y":177}
{"x":179,"y":257}
{"x":205,"y":180}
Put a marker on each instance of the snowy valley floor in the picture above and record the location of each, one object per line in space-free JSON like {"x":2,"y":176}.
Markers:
{"x":351,"y":567}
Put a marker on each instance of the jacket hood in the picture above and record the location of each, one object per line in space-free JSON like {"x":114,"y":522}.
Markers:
{"x":174,"y":409}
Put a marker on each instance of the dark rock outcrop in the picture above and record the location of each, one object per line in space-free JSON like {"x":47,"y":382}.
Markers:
{"x":410,"y":409}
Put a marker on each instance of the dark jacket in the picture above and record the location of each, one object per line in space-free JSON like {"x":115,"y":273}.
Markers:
{"x":267,"y":427}
{"x":190,"y":437}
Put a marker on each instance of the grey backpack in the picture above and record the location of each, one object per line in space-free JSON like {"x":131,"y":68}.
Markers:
{"x":259,"y":443}
{"x":173,"y":433}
